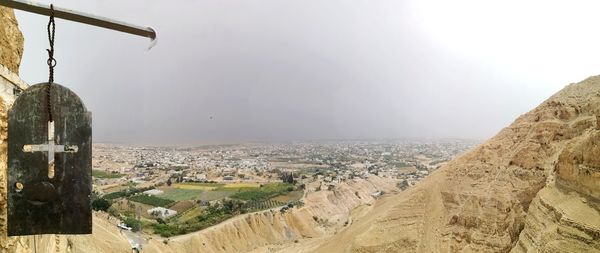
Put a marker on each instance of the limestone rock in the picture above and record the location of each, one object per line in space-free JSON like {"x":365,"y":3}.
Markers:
{"x":11,"y":40}
{"x":534,"y":187}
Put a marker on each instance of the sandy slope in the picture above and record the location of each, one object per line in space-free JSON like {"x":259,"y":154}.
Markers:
{"x":534,"y":187}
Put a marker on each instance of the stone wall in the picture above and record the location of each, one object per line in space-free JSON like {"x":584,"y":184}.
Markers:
{"x":11,"y":50}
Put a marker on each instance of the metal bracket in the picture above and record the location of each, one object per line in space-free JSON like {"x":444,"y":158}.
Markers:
{"x":44,"y":9}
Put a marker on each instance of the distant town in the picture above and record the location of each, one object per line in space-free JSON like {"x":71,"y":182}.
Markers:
{"x":176,"y":190}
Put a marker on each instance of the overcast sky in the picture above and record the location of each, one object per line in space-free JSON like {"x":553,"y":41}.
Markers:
{"x":270,"y":70}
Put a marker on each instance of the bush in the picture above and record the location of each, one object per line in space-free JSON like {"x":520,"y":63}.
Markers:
{"x":233,"y":206}
{"x":101,"y":204}
{"x":125,"y":193}
{"x":114,"y":195}
{"x":166,"y":230}
{"x":134,"y":224}
{"x":112,"y":211}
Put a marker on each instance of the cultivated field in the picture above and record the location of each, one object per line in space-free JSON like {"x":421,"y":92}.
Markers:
{"x":180,"y":194}
{"x":196,"y":186}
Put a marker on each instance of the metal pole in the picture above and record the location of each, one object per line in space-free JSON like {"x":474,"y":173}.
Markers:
{"x":44,"y":9}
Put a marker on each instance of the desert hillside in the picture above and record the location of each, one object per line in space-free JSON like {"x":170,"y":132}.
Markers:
{"x":534,"y":187}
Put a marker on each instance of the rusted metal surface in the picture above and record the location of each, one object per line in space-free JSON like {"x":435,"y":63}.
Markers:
{"x":45,"y":196}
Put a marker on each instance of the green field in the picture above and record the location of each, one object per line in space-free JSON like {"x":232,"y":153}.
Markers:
{"x":190,"y":214}
{"x":197,"y":186}
{"x":214,"y":195}
{"x":104,"y":174}
{"x":206,"y":191}
{"x":253,"y":206}
{"x":233,"y":199}
{"x":179,"y":194}
{"x":216,"y":186}
{"x":265,"y":192}
{"x":151,"y":200}
{"x":242,"y":185}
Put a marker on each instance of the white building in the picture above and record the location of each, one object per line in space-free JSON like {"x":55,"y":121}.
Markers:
{"x":161,"y":212}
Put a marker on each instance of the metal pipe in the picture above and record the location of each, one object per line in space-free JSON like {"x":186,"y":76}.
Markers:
{"x":44,"y":9}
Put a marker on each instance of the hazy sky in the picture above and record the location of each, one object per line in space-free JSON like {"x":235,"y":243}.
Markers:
{"x":315,"y":69}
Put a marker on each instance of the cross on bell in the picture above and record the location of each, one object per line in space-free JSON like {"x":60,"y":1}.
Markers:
{"x":49,"y":163}
{"x":51,"y":147}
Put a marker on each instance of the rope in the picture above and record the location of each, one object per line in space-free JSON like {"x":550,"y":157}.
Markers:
{"x":51,"y":62}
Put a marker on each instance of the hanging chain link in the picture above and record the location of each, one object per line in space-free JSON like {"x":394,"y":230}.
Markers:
{"x":51,"y":62}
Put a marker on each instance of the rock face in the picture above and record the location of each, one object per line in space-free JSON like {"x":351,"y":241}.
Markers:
{"x":11,"y":40}
{"x":564,"y":216}
{"x":534,"y":187}
{"x":11,"y":49}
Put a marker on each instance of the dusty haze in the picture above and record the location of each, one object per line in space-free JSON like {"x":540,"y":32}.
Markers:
{"x":233,"y":71}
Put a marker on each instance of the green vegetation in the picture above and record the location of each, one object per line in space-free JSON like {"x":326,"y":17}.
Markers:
{"x":113,"y":211}
{"x":134,"y":224}
{"x":215,"y":195}
{"x":189,"y":214}
{"x":101,"y":204}
{"x":253,"y":206}
{"x":151,"y":200}
{"x":196,"y":205}
{"x":104,"y":174}
{"x":125,"y":193}
{"x":198,"y":186}
{"x":115,"y":195}
{"x":212,"y":215}
{"x":263,"y":193}
{"x":130,"y":184}
{"x":177,"y":194}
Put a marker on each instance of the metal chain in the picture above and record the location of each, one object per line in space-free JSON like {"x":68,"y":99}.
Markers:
{"x":51,"y":62}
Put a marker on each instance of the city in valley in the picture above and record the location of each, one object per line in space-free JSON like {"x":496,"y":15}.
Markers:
{"x":174,"y":190}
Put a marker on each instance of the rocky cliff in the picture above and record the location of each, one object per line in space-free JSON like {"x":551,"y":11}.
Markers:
{"x":11,"y":40}
{"x":11,"y":50}
{"x":534,"y":187}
